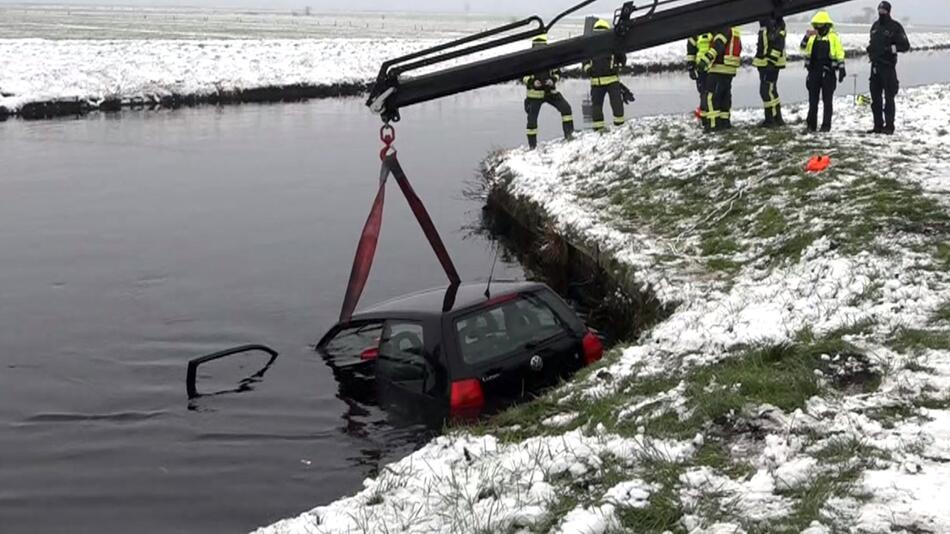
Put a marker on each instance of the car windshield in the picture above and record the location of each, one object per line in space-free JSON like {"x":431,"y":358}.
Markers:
{"x":517,"y":323}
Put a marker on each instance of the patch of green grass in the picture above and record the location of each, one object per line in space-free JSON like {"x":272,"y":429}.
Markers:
{"x":915,"y":366}
{"x":810,"y":500}
{"x":847,"y":449}
{"x":842,"y":460}
{"x":770,"y":222}
{"x":943,"y":254}
{"x":713,"y":454}
{"x":666,"y":424}
{"x":933,"y":404}
{"x":889,"y":416}
{"x":556,"y":513}
{"x":907,"y":340}
{"x":807,"y":183}
{"x":664,"y":511}
{"x":782,"y":376}
{"x":792,"y":247}
{"x":943,"y":314}
{"x":714,"y":244}
{"x":724,"y":265}
{"x":885,"y":205}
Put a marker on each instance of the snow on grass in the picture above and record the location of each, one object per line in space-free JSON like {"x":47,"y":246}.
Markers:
{"x":39,"y":70}
{"x":461,"y":483}
{"x":800,"y":383}
{"x":818,"y":293}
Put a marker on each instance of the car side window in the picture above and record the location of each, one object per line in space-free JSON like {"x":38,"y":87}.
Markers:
{"x":352,"y":341}
{"x":508,"y":327}
{"x":402,"y":357}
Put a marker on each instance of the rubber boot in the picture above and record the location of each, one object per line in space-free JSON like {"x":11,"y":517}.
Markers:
{"x":532,"y":142}
{"x":779,"y":121}
{"x":568,"y":130}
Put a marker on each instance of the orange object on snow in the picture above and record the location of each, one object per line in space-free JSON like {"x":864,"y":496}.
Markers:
{"x":818,"y":163}
{"x":698,"y":113}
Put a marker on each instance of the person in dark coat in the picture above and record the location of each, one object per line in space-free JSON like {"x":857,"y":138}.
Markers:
{"x":888,"y":38}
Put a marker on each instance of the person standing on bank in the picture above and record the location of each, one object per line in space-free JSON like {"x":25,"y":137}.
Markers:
{"x":542,"y":89}
{"x":824,"y":58}
{"x":770,"y":58}
{"x":696,"y":47}
{"x":721,"y":63}
{"x":888,"y":38}
{"x":604,"y":73}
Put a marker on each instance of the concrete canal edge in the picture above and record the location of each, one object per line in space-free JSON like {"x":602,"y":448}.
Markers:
{"x":614,"y":298}
{"x":77,"y":107}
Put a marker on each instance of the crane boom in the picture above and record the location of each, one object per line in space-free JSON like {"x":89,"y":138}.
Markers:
{"x":656,"y":27}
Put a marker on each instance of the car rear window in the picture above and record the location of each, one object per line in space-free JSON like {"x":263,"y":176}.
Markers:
{"x":512,"y":325}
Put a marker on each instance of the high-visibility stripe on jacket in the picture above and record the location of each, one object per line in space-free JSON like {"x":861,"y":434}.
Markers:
{"x":770,"y":51}
{"x":725,"y":53}
{"x":605,"y":70}
{"x":696,"y":47}
{"x":823,"y":50}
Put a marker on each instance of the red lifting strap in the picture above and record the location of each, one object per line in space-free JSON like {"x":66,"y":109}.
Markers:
{"x":366,"y":250}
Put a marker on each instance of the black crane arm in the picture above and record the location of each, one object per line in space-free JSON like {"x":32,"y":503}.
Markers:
{"x":655,"y":27}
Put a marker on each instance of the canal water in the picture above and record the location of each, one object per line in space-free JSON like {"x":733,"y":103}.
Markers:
{"x":130,"y":243}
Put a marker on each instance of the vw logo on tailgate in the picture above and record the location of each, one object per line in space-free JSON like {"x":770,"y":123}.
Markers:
{"x":537,"y":363}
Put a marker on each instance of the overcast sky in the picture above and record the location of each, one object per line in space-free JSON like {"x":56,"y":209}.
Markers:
{"x":934,"y":11}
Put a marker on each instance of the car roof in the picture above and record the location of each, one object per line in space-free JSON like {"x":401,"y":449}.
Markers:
{"x":432,"y":301}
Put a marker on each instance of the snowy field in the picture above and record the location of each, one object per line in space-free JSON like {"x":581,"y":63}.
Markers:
{"x":802,"y":382}
{"x":94,"y":55}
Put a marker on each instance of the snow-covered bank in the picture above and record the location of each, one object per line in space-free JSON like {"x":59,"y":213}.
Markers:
{"x":801,"y":384}
{"x":35,"y":70}
{"x":117,"y":72}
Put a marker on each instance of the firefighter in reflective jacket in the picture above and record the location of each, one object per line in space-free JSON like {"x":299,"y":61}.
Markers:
{"x":824,"y":59}
{"x":542,"y":89}
{"x":721,"y":62}
{"x":770,"y":58}
{"x":604,"y":73}
{"x":696,"y":47}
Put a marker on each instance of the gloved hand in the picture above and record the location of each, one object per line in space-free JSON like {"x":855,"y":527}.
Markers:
{"x":894,"y":49}
{"x":693,"y":75}
{"x":549,"y":83}
{"x":537,"y":84}
{"x":842,"y":74}
{"x":627,"y":95}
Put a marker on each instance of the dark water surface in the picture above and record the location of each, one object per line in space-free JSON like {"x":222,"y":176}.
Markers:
{"x":130,"y":243}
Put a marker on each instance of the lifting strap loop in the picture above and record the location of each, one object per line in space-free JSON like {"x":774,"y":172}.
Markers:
{"x":366,"y":250}
{"x":425,"y":221}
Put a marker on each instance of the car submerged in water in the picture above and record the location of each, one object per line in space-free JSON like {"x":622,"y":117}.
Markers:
{"x":461,"y":351}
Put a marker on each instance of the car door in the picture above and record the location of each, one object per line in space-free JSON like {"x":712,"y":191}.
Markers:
{"x":407,"y":376}
{"x":350,"y":350}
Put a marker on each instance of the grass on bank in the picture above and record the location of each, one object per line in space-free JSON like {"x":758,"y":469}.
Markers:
{"x":750,"y":204}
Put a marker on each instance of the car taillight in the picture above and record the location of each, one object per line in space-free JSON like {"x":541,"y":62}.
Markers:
{"x":467,"y":397}
{"x":593,"y":348}
{"x":370,"y":354}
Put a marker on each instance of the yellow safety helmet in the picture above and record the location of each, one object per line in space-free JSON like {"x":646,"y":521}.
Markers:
{"x":601,"y":25}
{"x":822,"y":18}
{"x":540,"y":39}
